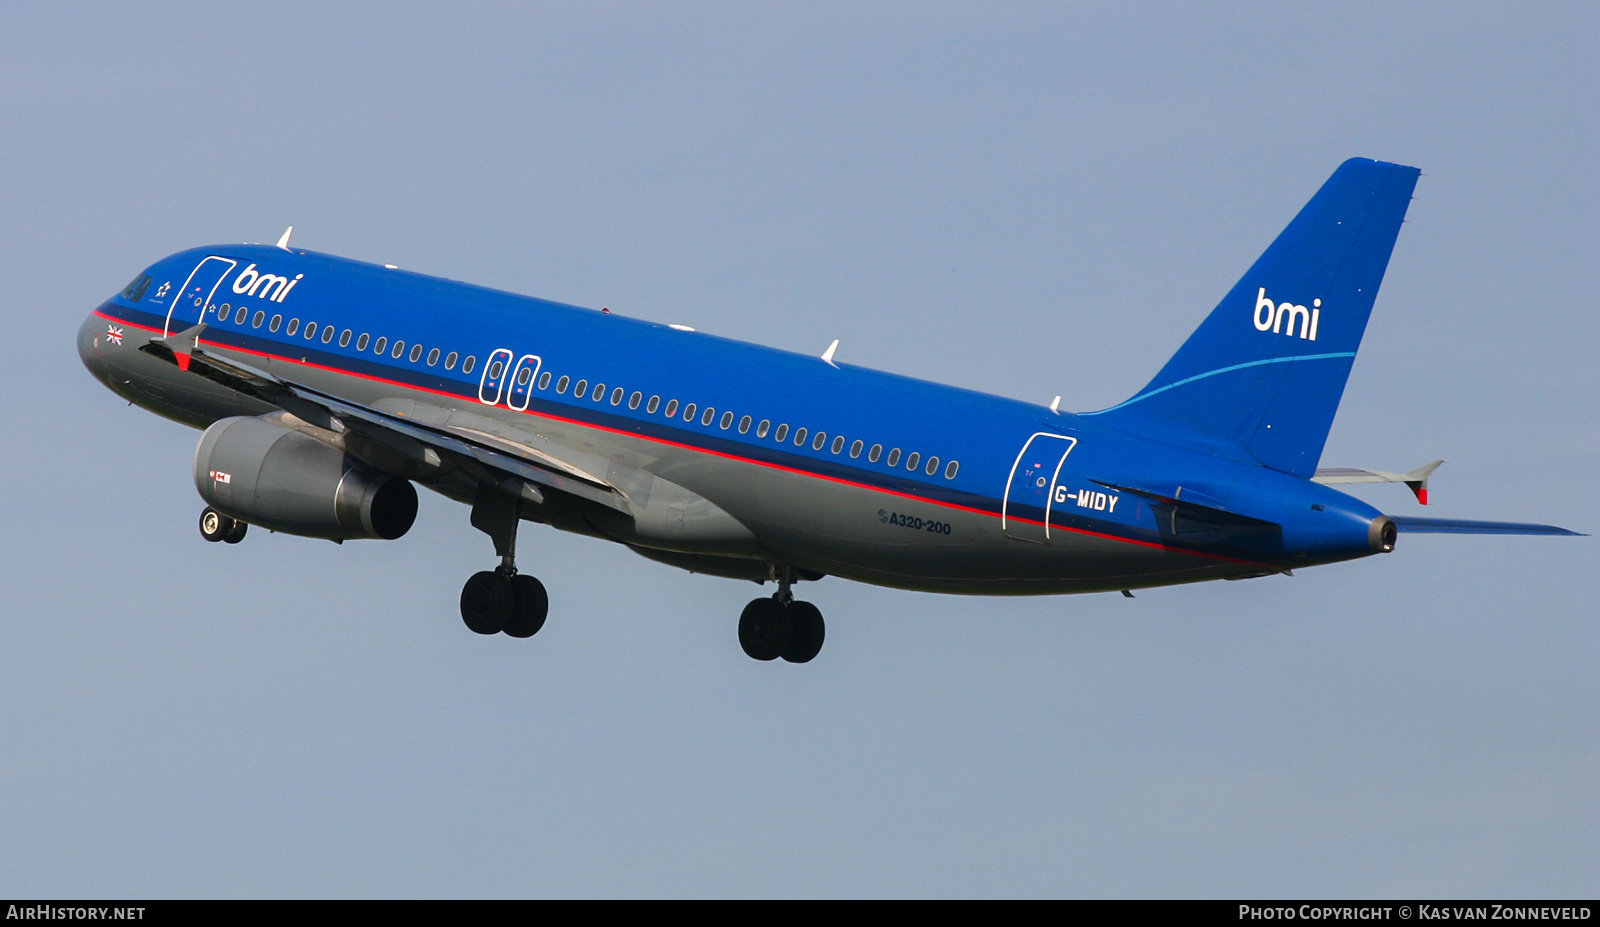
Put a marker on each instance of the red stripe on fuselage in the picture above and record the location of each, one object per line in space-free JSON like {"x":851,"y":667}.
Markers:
{"x":726,"y":456}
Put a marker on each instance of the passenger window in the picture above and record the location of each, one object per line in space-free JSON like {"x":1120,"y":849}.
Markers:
{"x":616,"y":396}
{"x":799,"y":437}
{"x":911,"y":461}
{"x":783,"y":432}
{"x":838,"y":445}
{"x":494,"y":370}
{"x":855,"y":450}
{"x":635,"y":399}
{"x":311,"y":330}
{"x":450,"y":361}
{"x":819,"y":440}
{"x":672,"y":408}
{"x":544,"y":380}
{"x":580,"y":390}
{"x":344,"y":338}
{"x":761,"y":429}
{"x":744,"y":425}
{"x":260,"y":317}
{"x":399,"y":349}
{"x":224,"y":312}
{"x":706,"y":419}
{"x":933,"y":466}
{"x":416,"y":353}
{"x":380,"y":344}
{"x":524,"y":375}
{"x":561,"y":384}
{"x":277,"y":320}
{"x":467,"y":365}
{"x":688,"y":412}
{"x":433,"y":357}
{"x":294,"y":326}
{"x":655,"y":403}
{"x":327,"y":334}
{"x":950,"y":470}
{"x":361,"y":343}
{"x":894,"y":457}
{"x":875,"y":453}
{"x":599,"y":392}
{"x":727,"y":420}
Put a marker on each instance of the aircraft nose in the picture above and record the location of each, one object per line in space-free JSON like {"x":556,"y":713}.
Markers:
{"x":93,"y":337}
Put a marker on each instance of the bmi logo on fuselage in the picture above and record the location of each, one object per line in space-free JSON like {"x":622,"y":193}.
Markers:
{"x":1271,"y":316}
{"x":271,"y":287}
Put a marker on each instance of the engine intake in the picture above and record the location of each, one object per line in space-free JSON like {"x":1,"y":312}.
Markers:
{"x":283,"y":480}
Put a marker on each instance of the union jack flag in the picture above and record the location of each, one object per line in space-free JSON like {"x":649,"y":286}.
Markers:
{"x":113,"y":334}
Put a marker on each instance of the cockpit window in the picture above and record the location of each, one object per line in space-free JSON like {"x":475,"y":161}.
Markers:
{"x":135,"y":290}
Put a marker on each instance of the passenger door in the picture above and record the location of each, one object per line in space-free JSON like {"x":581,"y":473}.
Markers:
{"x":1031,"y":486}
{"x":193,"y":304}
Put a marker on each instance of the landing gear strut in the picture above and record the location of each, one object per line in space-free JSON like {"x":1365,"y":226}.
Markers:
{"x":215,"y":526}
{"x":502,"y":599}
{"x":782,"y":626}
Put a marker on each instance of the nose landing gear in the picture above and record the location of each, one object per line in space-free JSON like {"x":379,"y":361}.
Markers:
{"x":215,"y":526}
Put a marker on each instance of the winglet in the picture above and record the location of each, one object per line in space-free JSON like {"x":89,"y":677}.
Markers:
{"x":1416,"y":480}
{"x":181,"y":344}
{"x":284,"y":241}
{"x":827,"y":356}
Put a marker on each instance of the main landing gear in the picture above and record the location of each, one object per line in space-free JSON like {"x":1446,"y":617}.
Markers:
{"x":502,"y":599}
{"x":782,"y":626}
{"x":215,"y":526}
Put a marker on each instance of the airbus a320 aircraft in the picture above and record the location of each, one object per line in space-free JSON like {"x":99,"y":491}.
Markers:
{"x":328,"y":388}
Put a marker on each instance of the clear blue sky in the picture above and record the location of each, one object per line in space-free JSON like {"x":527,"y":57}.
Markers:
{"x":1029,"y":199}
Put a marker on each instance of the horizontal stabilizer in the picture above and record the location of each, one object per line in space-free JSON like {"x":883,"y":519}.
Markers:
{"x":1463,"y":526}
{"x":1416,"y":480}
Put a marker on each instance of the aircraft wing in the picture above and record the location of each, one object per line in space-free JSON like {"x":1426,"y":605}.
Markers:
{"x":491,"y":459}
{"x":1463,"y":526}
{"x":1416,"y":479}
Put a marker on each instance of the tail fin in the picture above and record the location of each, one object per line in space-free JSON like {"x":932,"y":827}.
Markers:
{"x":1260,"y":379}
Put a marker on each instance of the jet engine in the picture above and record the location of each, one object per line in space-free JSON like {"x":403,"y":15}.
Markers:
{"x":283,"y":480}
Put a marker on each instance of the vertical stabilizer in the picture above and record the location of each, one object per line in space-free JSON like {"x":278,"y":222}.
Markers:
{"x":1260,"y":379}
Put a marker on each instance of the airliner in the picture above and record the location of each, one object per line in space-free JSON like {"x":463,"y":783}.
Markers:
{"x":328,"y":389}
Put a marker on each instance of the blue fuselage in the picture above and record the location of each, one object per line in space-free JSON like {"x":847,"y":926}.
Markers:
{"x":832,"y":469}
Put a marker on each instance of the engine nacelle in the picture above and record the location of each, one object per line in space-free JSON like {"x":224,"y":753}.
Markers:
{"x":282,"y":480}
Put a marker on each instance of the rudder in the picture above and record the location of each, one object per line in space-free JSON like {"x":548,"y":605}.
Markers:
{"x":1262,"y":376}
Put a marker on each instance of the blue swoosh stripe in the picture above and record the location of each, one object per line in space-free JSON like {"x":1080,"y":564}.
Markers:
{"x":1222,"y":370}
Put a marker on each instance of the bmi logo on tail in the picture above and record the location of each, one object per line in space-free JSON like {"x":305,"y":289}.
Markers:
{"x":1270,"y":316}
